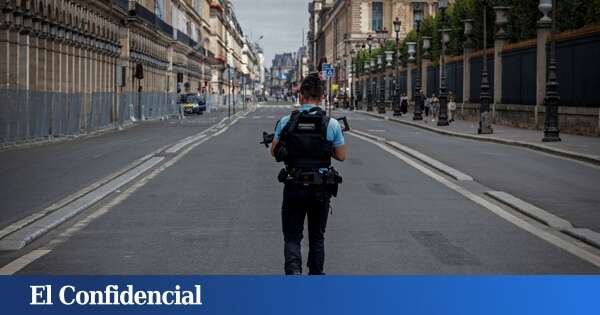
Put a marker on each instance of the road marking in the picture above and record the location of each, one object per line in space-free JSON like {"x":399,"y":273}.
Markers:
{"x":61,"y":203}
{"x":184,"y":143}
{"x":544,"y":234}
{"x":376,"y":130}
{"x":23,"y":261}
{"x":29,"y":233}
{"x":530,"y":210}
{"x":450,"y":171}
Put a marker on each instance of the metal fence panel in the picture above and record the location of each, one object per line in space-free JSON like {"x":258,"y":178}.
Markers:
{"x":413,"y":80}
{"x":433,"y":80}
{"x":476,"y":66}
{"x":519,"y":76}
{"x":454,"y":79}
{"x":578,"y":70}
{"x":402,"y":80}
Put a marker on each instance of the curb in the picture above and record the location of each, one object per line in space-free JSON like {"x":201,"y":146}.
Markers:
{"x":585,"y":235}
{"x":439,"y":166}
{"x":530,"y":210}
{"x":593,"y":159}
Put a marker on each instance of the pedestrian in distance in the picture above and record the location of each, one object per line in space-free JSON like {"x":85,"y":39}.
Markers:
{"x":427,"y":108}
{"x":451,"y":107}
{"x":435,"y":107}
{"x":306,"y":141}
{"x":404,"y":104}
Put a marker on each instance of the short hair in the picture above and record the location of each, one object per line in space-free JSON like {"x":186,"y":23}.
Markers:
{"x":312,"y":87}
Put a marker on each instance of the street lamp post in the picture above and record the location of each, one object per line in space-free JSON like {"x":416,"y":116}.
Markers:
{"x":358,"y":94}
{"x":551,"y":128}
{"x":485,"y":123}
{"x":370,"y":77}
{"x":381,"y":92}
{"x":418,"y":97}
{"x":229,"y":88}
{"x":353,"y":75}
{"x":381,"y":39}
{"x":396,"y":99}
{"x":367,"y":84}
{"x":443,"y":117}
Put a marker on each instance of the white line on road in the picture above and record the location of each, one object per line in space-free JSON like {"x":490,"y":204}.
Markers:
{"x":57,"y":205}
{"x":27,"y":234}
{"x":538,"y":231}
{"x":22,"y":261}
{"x":450,"y":171}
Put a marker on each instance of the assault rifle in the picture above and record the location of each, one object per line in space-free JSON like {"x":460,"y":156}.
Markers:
{"x":268,"y":137}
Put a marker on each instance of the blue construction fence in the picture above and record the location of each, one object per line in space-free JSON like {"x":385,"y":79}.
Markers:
{"x":37,"y":115}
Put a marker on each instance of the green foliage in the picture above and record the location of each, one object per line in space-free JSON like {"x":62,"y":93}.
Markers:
{"x":593,"y":12}
{"x":522,"y":25}
{"x":523,"y":19}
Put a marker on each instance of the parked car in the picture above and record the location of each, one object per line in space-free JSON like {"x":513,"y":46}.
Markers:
{"x":193,"y":104}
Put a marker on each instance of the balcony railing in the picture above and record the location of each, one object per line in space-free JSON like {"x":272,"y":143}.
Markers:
{"x":183,"y":38}
{"x":121,"y":4}
{"x":150,"y":18}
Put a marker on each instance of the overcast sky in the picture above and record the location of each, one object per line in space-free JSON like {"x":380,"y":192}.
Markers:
{"x":280,"y":21}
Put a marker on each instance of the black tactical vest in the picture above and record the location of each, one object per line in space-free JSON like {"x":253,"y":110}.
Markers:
{"x":305,"y":138}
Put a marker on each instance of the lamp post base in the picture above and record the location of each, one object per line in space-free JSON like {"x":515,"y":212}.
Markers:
{"x":551,"y":135}
{"x":443,"y":122}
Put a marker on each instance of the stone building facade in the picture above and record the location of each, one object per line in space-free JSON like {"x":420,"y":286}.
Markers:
{"x":72,"y":66}
{"x":337,"y":26}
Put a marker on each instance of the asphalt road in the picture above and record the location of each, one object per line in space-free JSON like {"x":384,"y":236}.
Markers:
{"x":217,"y":211}
{"x":561,"y":186}
{"x":32,"y":179}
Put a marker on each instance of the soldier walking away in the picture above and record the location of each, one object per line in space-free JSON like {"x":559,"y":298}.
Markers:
{"x":306,"y":141}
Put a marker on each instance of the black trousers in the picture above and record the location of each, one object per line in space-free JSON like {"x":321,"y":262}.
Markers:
{"x":299,"y":202}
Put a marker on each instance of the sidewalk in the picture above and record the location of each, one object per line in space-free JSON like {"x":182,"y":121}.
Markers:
{"x":578,"y":147}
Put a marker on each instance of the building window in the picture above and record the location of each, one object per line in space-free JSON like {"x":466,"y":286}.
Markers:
{"x":159,"y":9}
{"x":197,"y":4}
{"x":377,"y":13}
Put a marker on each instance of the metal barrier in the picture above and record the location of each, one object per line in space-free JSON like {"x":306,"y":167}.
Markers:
{"x":36,"y":115}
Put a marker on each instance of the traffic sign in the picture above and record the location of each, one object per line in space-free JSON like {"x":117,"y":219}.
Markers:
{"x":328,"y":71}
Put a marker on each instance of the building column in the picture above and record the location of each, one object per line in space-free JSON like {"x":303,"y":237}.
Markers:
{"x":424,"y":76}
{"x":501,"y":39}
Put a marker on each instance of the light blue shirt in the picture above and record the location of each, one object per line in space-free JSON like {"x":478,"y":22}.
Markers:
{"x":334,"y":131}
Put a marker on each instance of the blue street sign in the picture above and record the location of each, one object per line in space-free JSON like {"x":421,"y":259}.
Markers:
{"x":328,"y":71}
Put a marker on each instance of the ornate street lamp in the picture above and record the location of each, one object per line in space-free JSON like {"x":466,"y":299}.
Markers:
{"x":373,"y":83}
{"x":382,"y":36}
{"x":418,"y":97}
{"x":443,"y":116}
{"x":370,"y":76}
{"x":485,"y":121}
{"x":551,"y":128}
{"x":353,"y":73}
{"x":396,"y":104}
{"x":359,"y":93}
